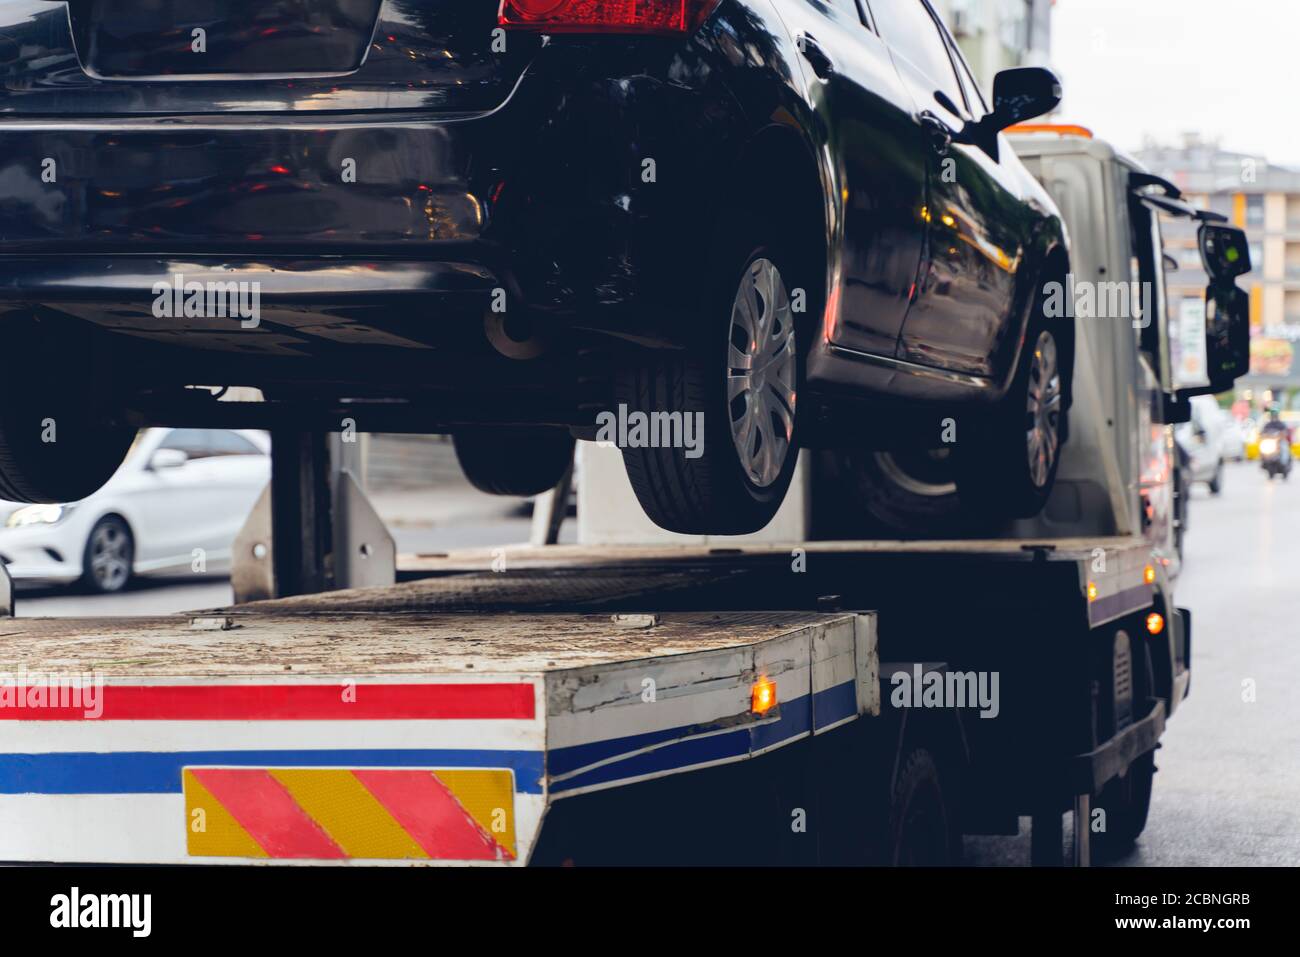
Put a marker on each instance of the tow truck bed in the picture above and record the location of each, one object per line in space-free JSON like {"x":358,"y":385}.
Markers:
{"x":339,"y":737}
{"x":441,"y":719}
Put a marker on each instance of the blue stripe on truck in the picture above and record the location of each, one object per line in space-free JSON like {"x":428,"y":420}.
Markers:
{"x":159,"y":772}
{"x":692,"y":745}
{"x":835,"y":704}
{"x":671,"y":757}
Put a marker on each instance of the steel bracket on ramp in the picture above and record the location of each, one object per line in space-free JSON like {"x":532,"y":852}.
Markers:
{"x":313,"y":529}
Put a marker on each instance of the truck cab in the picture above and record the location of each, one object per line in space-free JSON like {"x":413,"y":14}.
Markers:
{"x":1139,"y":363}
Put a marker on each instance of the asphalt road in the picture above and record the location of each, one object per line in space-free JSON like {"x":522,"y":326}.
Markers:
{"x":1228,"y":789}
{"x":1226,"y":792}
{"x":1229,"y":771}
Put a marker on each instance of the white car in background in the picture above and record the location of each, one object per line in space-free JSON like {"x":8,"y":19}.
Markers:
{"x":1234,"y":437}
{"x":1204,"y":439}
{"x":173,"y":507}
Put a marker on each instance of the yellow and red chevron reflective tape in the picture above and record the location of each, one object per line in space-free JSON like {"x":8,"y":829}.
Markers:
{"x":341,"y":813}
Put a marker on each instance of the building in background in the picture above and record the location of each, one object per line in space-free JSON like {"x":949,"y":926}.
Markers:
{"x":1264,"y":200}
{"x":998,"y":34}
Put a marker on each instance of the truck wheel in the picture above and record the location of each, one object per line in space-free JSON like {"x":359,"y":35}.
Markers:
{"x":514,"y":461}
{"x":109,"y":557}
{"x":1008,"y":456}
{"x":1126,"y":801}
{"x":1216,"y":483}
{"x":735,"y":388}
{"x":55,"y":443}
{"x":923,"y":830}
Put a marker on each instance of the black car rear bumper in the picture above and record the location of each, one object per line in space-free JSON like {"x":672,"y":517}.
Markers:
{"x":201,"y":184}
{"x":543,"y":198}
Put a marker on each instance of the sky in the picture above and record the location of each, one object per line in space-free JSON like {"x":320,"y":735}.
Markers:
{"x":1228,"y":69}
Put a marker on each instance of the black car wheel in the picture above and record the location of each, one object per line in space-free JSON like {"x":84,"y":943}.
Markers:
{"x":1007,"y":457}
{"x":109,"y":557}
{"x":54,"y":444}
{"x":739,"y":388}
{"x":504,"y":461}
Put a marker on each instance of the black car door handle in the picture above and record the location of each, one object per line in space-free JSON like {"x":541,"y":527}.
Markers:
{"x":939,"y":132}
{"x":812,"y":51}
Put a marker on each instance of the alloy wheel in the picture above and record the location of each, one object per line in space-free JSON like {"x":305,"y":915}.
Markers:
{"x":110,"y":556}
{"x":762,"y":373}
{"x":1043,"y":410}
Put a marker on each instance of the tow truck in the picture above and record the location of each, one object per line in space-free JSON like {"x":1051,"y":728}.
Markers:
{"x":773,"y":699}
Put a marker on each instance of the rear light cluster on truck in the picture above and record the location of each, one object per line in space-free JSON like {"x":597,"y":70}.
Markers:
{"x":605,"y":16}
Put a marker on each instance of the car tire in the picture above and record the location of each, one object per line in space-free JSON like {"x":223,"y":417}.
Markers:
{"x":56,"y":445}
{"x":735,"y":481}
{"x":1127,"y":802}
{"x":1216,"y":482}
{"x":1007,"y":457}
{"x":514,"y":461}
{"x":107,"y":562}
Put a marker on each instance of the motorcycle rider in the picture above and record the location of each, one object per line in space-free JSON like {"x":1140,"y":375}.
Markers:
{"x":1278,"y":435}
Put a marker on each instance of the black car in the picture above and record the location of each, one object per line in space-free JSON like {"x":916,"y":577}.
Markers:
{"x":711,"y":231}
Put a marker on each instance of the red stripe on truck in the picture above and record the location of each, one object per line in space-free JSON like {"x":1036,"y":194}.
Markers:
{"x":316,"y":702}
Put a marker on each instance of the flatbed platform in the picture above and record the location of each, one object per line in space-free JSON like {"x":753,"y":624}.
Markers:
{"x":261,"y":643}
{"x":1066,"y":549}
{"x":1110,"y":577}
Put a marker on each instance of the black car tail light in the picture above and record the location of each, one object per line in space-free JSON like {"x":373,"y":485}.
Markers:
{"x":605,"y":16}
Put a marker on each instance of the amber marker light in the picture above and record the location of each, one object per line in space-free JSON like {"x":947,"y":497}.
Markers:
{"x":1155,"y":623}
{"x":1060,"y":129}
{"x":1149,"y":575}
{"x":763,"y":698}
{"x":1092,"y":591}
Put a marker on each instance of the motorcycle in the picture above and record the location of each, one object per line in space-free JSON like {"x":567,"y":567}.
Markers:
{"x":1275,"y":454}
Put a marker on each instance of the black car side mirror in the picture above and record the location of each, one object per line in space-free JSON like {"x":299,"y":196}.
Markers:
{"x":1024,"y":93}
{"x":1019,"y":94}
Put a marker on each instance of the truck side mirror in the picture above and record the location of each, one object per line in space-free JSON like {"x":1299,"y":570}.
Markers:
{"x":1226,"y":255}
{"x":1216,"y":340}
{"x":1227,"y":336}
{"x":1224,"y":252}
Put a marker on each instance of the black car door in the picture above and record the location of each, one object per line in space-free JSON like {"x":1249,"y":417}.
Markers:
{"x":977,"y":223}
{"x":879,"y":165}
